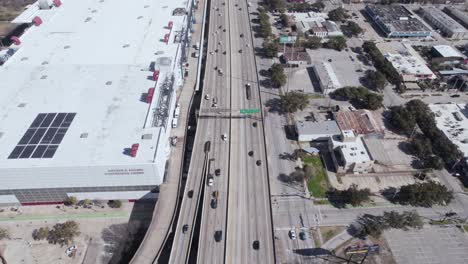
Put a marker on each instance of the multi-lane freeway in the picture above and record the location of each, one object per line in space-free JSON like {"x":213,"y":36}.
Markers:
{"x":235,"y":225}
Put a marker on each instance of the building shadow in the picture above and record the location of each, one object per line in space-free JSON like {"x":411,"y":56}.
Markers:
{"x":122,"y":240}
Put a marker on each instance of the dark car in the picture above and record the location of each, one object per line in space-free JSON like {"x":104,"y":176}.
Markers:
{"x":190,"y":193}
{"x":256,"y":245}
{"x":214,"y":203}
{"x":455,"y":96}
{"x":218,"y":172}
{"x":218,"y":235}
{"x":184,"y":229}
{"x":303,"y":235}
{"x":259,"y":162}
{"x":254,"y":124}
{"x":251,"y":153}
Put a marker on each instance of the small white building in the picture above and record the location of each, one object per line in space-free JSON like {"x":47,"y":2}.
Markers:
{"x":326,"y":76}
{"x":315,"y":131}
{"x":409,"y":65}
{"x":349,"y":153}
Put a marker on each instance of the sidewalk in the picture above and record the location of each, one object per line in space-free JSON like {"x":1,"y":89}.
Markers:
{"x":164,"y":211}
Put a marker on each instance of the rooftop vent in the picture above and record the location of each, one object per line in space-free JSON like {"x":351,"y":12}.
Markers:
{"x":44,"y":4}
{"x":84,"y":135}
{"x":21,"y":105}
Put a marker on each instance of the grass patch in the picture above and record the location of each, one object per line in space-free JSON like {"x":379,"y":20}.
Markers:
{"x":328,"y":232}
{"x":316,"y":237}
{"x":465,"y":227}
{"x":321,"y":202}
{"x":315,"y":96}
{"x":317,"y":180}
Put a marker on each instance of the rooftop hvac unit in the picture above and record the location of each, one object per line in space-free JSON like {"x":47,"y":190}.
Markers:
{"x":149,"y":96}
{"x":155,"y":75}
{"x":16,"y":40}
{"x":37,"y":21}
{"x":134,"y":150}
{"x":57,"y":3}
{"x":44,"y":4}
{"x":166,"y":38}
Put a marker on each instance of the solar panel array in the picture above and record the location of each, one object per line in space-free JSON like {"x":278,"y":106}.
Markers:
{"x":43,"y":136}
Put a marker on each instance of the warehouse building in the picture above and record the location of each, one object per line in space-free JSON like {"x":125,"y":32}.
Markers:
{"x":316,"y":131}
{"x":86,"y":103}
{"x":326,"y":76}
{"x":407,"y":62}
{"x":458,"y":15}
{"x":395,"y":21}
{"x":444,"y":23}
{"x":446,"y":55}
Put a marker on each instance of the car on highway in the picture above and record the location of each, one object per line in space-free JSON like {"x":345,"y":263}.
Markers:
{"x":256,"y":245}
{"x":207,"y":97}
{"x":240,"y":51}
{"x":218,"y":235}
{"x":218,"y":172}
{"x":216,"y":194}
{"x":190,"y":194}
{"x":224,"y":137}
{"x":185,"y":228}
{"x":303,"y":235}
{"x":292,"y":234}
{"x":214,"y":203}
{"x":210,"y":180}
{"x":174,"y":141}
{"x":251,"y":153}
{"x":242,"y":35}
{"x":220,"y":71}
{"x":455,"y":96}
{"x":215,"y":102}
{"x":259,"y":162}
{"x":254,"y":124}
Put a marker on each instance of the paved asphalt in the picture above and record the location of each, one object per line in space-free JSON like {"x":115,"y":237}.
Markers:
{"x":243,"y":210}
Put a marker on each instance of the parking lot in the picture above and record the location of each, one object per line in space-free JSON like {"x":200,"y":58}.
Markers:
{"x":388,"y":153}
{"x":429,"y":245}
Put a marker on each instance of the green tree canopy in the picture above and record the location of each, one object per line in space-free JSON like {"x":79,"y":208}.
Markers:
{"x":312,"y":43}
{"x":278,"y":78}
{"x":337,"y":43}
{"x":294,"y":101}
{"x":424,"y":194}
{"x":64,"y":233}
{"x":338,"y":14}
{"x":377,"y":80}
{"x":354,"y":28}
{"x":360,"y":97}
{"x":352,"y":196}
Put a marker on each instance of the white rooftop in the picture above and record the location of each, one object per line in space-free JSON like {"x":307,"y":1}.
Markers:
{"x":409,"y":64}
{"x":91,"y":58}
{"x":452,"y":120}
{"x":447,"y":51}
{"x":352,"y":147}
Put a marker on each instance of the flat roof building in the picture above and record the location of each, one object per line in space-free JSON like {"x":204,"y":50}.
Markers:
{"x":444,"y":54}
{"x":86,"y":105}
{"x":458,"y":15}
{"x":350,"y":154}
{"x":442,"y":21}
{"x":326,"y":76}
{"x":452,"y":119}
{"x":313,"y":131}
{"x":396,"y":21}
{"x":409,"y":64}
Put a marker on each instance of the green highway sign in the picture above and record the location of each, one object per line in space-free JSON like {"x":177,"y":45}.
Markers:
{"x":250,"y":111}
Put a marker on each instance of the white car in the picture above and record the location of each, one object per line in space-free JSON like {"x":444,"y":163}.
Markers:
{"x":292,"y":234}
{"x":210,"y":181}
{"x":224,"y":137}
{"x":207,"y":97}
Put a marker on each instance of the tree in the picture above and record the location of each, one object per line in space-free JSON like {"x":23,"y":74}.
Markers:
{"x":294,"y":101}
{"x":63,"y":233}
{"x":432,"y":162}
{"x":114,"y":203}
{"x":264,"y":23}
{"x":402,"y":119}
{"x":284,"y":19}
{"x":360,"y":97}
{"x":354,"y":28}
{"x":376,"y":80}
{"x":313,"y":43}
{"x":352,"y":195}
{"x":337,"y":43}
{"x":278,"y":77}
{"x":41,"y":233}
{"x":338,"y":14}
{"x":72,"y":200}
{"x":374,"y":225}
{"x":424,"y":194}
{"x":275,"y":4}
{"x":318,"y":6}
{"x":269,"y":47}
{"x":4,"y":233}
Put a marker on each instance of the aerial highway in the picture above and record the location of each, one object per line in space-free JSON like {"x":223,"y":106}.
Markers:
{"x":228,"y":182}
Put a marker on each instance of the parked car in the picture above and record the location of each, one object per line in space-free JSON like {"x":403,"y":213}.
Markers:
{"x":303,"y":235}
{"x":292,"y":234}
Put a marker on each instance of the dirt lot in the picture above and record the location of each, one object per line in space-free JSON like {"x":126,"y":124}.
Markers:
{"x":103,"y":231}
{"x":9,"y":9}
{"x":384,"y":256}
